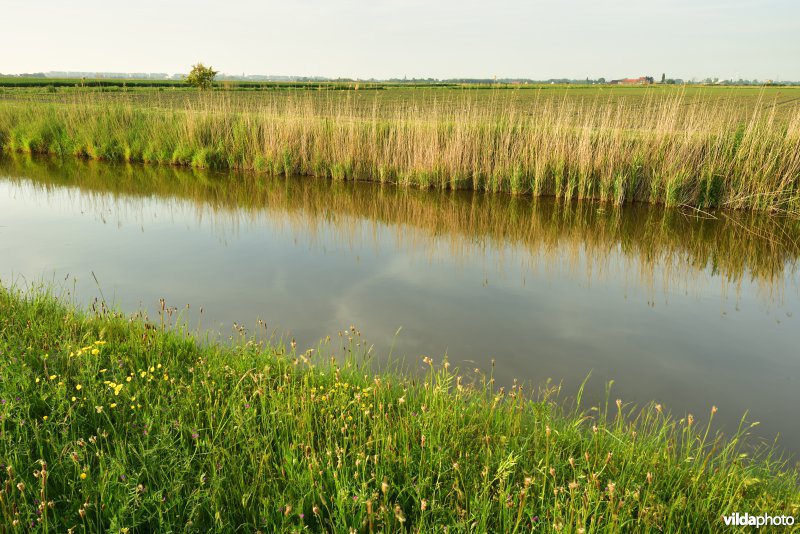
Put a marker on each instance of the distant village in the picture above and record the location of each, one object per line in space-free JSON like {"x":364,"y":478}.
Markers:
{"x":641,"y":80}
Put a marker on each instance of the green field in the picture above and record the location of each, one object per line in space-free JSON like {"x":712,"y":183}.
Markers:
{"x":785,"y":99}
{"x":114,"y":423}
{"x":704,"y":147}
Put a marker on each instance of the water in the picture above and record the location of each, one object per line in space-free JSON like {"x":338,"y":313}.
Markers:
{"x":689,"y":310}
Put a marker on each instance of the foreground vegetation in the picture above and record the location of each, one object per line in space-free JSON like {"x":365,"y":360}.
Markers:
{"x":703,"y":150}
{"x":114,"y":423}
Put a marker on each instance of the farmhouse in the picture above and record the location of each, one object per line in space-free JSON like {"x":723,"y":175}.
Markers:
{"x":644,"y":80}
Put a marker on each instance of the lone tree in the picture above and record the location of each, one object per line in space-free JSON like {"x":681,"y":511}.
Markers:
{"x":201,"y":76}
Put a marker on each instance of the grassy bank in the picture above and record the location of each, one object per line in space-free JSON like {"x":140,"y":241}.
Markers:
{"x":111,"y":423}
{"x":703,"y":150}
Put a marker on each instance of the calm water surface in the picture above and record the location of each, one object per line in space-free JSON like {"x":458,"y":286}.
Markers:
{"x":687,"y":311}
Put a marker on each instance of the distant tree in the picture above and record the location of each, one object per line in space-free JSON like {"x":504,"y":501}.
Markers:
{"x":601,"y":80}
{"x":201,"y":76}
{"x":663,"y":77}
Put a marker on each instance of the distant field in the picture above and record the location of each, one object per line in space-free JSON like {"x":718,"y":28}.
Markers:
{"x":699,"y":146}
{"x":384,"y":97}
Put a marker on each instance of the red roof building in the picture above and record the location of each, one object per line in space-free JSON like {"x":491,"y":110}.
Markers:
{"x":644,"y":80}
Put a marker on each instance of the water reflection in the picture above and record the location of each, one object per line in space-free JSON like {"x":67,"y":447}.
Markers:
{"x":685,"y":308}
{"x":663,"y":247}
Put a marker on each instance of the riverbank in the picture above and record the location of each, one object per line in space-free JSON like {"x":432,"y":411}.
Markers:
{"x":665,"y":148}
{"x":115,"y":423}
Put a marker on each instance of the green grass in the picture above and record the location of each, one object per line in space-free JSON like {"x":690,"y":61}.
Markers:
{"x":111,"y":423}
{"x":736,"y":149}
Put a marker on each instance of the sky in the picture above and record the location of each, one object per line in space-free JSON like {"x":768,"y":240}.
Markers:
{"x":751,"y":39}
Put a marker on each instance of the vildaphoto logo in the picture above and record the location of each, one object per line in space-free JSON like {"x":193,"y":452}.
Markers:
{"x":747,"y":520}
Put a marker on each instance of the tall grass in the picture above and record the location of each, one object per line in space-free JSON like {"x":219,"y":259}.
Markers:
{"x":111,"y":423}
{"x":667,"y":148}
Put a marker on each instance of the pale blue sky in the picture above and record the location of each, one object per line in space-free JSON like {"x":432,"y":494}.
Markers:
{"x":414,"y":38}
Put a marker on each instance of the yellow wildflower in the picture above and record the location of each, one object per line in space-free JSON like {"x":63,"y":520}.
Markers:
{"x":79,"y":387}
{"x":95,"y":352}
{"x":83,"y":476}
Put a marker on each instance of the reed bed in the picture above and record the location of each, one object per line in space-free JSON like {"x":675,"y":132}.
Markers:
{"x":666,"y":148}
{"x":122,"y":423}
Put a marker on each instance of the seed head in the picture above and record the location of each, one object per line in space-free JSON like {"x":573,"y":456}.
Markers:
{"x":398,"y":513}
